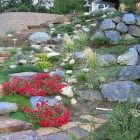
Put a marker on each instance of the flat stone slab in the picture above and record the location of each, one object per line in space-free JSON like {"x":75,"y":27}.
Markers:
{"x":5,"y":54}
{"x":57,"y":136}
{"x":6,"y":107}
{"x":13,"y":125}
{"x":70,"y":125}
{"x":23,"y":75}
{"x":3,"y":59}
{"x":23,"y":135}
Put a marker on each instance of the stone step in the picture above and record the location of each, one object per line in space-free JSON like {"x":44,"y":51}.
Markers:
{"x":3,"y":59}
{"x":5,"y":54}
{"x":23,"y":135}
{"x":12,"y":125}
{"x":6,"y":107}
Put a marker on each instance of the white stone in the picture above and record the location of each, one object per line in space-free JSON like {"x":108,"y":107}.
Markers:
{"x":53,"y":54}
{"x":36,"y":59}
{"x":93,"y":25}
{"x":65,"y":60}
{"x":104,"y":16}
{"x":47,"y":49}
{"x":62,"y":64}
{"x":88,"y":20}
{"x":12,"y":66}
{"x":85,"y":70}
{"x":9,"y":35}
{"x":58,"y":98}
{"x":76,"y":32}
{"x":73,"y":101}
{"x":86,"y":14}
{"x":36,"y":46}
{"x":53,"y":29}
{"x":78,"y":26}
{"x":72,"y":80}
{"x":46,"y":70}
{"x":23,"y":61}
{"x":72,"y":61}
{"x":67,"y":91}
{"x":130,"y":58}
{"x":86,"y":29}
{"x":68,"y":71}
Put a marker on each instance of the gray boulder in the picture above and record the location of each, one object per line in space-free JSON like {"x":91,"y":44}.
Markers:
{"x":107,"y":60}
{"x":134,"y":30}
{"x":121,"y":91}
{"x":39,"y":36}
{"x":129,"y":19}
{"x":37,"y":99}
{"x":130,"y":58}
{"x":121,"y":27}
{"x":98,"y":34}
{"x":113,"y":35}
{"x":20,"y":56}
{"x":138,"y":20}
{"x":6,"y":107}
{"x":116,"y":19}
{"x":107,"y":24}
{"x":88,"y":95}
{"x":137,"y":47}
{"x":129,"y":73}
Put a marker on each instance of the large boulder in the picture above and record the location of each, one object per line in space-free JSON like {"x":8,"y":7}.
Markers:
{"x":121,"y":91}
{"x":107,"y":60}
{"x":137,"y":47}
{"x":130,"y":73}
{"x":107,"y":24}
{"x":130,"y":58}
{"x":39,"y":37}
{"x":88,"y":95}
{"x":113,"y":35}
{"x":121,"y":27}
{"x":137,"y":20}
{"x":129,"y":19}
{"x":134,"y":30}
{"x":98,"y":34}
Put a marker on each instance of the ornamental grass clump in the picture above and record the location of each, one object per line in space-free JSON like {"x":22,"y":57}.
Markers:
{"x":40,"y":85}
{"x":48,"y":116}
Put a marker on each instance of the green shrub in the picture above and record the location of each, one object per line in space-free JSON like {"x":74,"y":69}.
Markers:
{"x":19,"y":69}
{"x":10,"y":31}
{"x":54,"y":34}
{"x":68,"y":67}
{"x":125,"y":41}
{"x":28,"y":48}
{"x":54,"y":58}
{"x":101,"y":41}
{"x":83,"y":76}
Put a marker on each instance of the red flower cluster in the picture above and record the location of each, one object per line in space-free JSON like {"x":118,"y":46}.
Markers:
{"x":40,"y":85}
{"x":48,"y":116}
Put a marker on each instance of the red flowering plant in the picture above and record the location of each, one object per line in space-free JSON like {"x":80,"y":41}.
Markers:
{"x":40,"y":85}
{"x":48,"y":116}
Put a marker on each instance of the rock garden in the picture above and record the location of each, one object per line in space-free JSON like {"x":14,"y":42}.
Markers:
{"x":76,"y":80}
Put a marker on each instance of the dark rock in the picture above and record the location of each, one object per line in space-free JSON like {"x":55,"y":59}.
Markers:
{"x":121,"y":91}
{"x":130,"y":73}
{"x":107,"y":24}
{"x":134,"y":30}
{"x":20,"y":56}
{"x":121,"y":27}
{"x":129,"y":19}
{"x":113,"y":35}
{"x":116,"y":19}
{"x":137,"y":47}
{"x":88,"y":95}
{"x":138,"y":20}
{"x":98,"y":34}
{"x":23,"y":135}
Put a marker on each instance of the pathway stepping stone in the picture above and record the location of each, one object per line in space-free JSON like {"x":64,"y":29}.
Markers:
{"x":23,"y":135}
{"x":5,"y":54}
{"x":23,"y":75}
{"x":3,"y":59}
{"x":6,"y":107}
{"x":13,"y":125}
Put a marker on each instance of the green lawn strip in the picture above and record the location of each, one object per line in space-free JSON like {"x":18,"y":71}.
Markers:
{"x":3,"y":78}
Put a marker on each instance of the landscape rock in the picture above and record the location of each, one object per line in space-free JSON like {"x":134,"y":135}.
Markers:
{"x":69,"y":72}
{"x":41,"y":36}
{"x":20,"y":56}
{"x":134,"y":30}
{"x":12,"y":125}
{"x":71,"y":80}
{"x":137,"y":47}
{"x":98,"y":34}
{"x":129,"y":58}
{"x":51,"y":54}
{"x":79,"y":54}
{"x":23,"y":75}
{"x":116,"y":19}
{"x":37,"y":99}
{"x":72,"y":61}
{"x":12,"y":66}
{"x":60,"y":73}
{"x":23,"y":135}
{"x":88,"y":95}
{"x":113,"y":35}
{"x":6,"y":107}
{"x":86,"y":70}
{"x":107,"y":24}
{"x":62,"y":64}
{"x":121,"y":27}
{"x":130,"y":73}
{"x":121,"y":91}
{"x":129,"y":19}
{"x":86,"y":29}
{"x":23,"y":61}
{"x":107,"y":60}
{"x":67,"y":91}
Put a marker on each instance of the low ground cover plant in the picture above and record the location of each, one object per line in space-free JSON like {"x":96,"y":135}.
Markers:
{"x":48,"y":116}
{"x":40,"y":85}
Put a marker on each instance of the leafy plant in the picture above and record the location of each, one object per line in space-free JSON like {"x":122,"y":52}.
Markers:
{"x":83,"y":76}
{"x":24,"y":68}
{"x":68,"y":66}
{"x":125,"y":41}
{"x":28,"y":48}
{"x":54,"y":34}
{"x":54,"y":58}
{"x":101,"y":41}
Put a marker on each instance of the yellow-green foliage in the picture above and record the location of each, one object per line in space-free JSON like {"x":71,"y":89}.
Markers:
{"x":43,"y":61}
